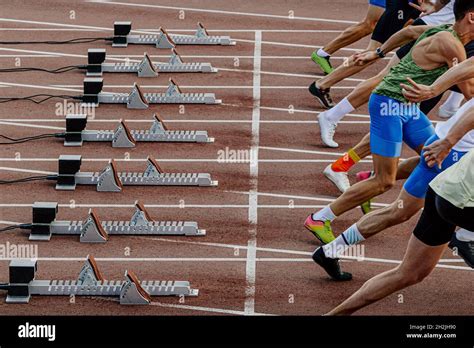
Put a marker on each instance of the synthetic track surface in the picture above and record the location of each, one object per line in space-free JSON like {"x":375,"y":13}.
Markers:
{"x":255,"y":256}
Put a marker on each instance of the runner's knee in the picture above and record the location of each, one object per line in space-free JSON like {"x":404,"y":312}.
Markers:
{"x":366,"y":27}
{"x":415,"y":275}
{"x":384,"y":184}
{"x":399,"y":213}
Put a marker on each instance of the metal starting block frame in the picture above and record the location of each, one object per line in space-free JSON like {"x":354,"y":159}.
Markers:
{"x":92,"y":230}
{"x":136,"y":99}
{"x":96,"y":65}
{"x":90,"y":282}
{"x":109,"y":180}
{"x":162,"y":39}
{"x":123,"y":137}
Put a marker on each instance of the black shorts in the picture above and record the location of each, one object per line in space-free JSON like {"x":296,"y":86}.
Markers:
{"x":439,"y":220}
{"x":397,"y":14}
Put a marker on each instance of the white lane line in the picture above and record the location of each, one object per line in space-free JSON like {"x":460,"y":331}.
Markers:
{"x":271,"y":250}
{"x":330,"y":153}
{"x":6,"y":222}
{"x":225,"y":12}
{"x":206,"y":309}
{"x":203,"y":86}
{"x":305,"y":111}
{"x":51,"y":29}
{"x":188,"y":307}
{"x":110,"y":56}
{"x":179,"y":160}
{"x":30,"y":171}
{"x":171,"y":30}
{"x":276,"y":73}
{"x":127,"y":206}
{"x":139,"y":59}
{"x":30,"y":125}
{"x":74,"y":88}
{"x":195,"y":86}
{"x":226,"y":259}
{"x":293,"y":45}
{"x":153,"y":259}
{"x":261,"y":249}
{"x":171,"y":160}
{"x":289,"y":44}
{"x":25,"y":122}
{"x":11,"y":84}
{"x":63,"y":54}
{"x":194,"y":206}
{"x":251,"y":265}
{"x":55,"y":24}
{"x":314,"y":198}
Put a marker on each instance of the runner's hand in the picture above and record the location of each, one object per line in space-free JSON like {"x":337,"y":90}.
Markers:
{"x":364,"y":57}
{"x":426,"y":7}
{"x":416,"y":92}
{"x":436,"y":152}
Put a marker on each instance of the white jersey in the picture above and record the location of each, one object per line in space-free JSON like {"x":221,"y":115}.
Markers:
{"x":443,"y":16}
{"x":443,"y":128}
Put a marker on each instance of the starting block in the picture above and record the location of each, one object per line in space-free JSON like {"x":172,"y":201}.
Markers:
{"x":109,"y":180}
{"x":136,"y":99}
{"x":123,"y":137}
{"x":162,"y":39}
{"x":92,"y":230}
{"x":96,"y":65}
{"x":90,"y":282}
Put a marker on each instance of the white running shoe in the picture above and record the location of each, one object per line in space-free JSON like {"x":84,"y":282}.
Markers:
{"x":340,"y":179}
{"x":445,"y":112}
{"x":327,"y":130}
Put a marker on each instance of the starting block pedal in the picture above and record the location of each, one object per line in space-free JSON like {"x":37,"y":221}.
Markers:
{"x":93,"y":230}
{"x":136,"y":99}
{"x":109,"y":180}
{"x":90,"y":282}
{"x":123,"y":137}
{"x":162,"y":39}
{"x":96,"y":65}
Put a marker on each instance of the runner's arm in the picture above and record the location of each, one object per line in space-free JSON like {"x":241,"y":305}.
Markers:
{"x":457,"y":74}
{"x":454,"y":53}
{"x":437,"y":151}
{"x":408,"y":34}
{"x":427,"y":7}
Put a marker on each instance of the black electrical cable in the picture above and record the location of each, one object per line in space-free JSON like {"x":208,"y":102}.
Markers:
{"x":31,"y":98}
{"x":30,"y":178}
{"x":72,"y":41}
{"x":14,"y":227}
{"x":54,"y":71}
{"x":34,"y":137}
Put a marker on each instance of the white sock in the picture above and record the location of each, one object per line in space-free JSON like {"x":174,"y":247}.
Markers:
{"x":324,"y":214}
{"x":338,"y":112}
{"x":338,"y":246}
{"x":464,"y":235}
{"x":454,"y":101}
{"x":323,"y":53}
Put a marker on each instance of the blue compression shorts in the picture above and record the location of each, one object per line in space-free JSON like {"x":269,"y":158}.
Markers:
{"x":418,"y":181}
{"x":379,"y":3}
{"x":393,"y":122}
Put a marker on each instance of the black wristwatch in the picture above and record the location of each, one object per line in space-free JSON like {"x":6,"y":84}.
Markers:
{"x":380,"y":52}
